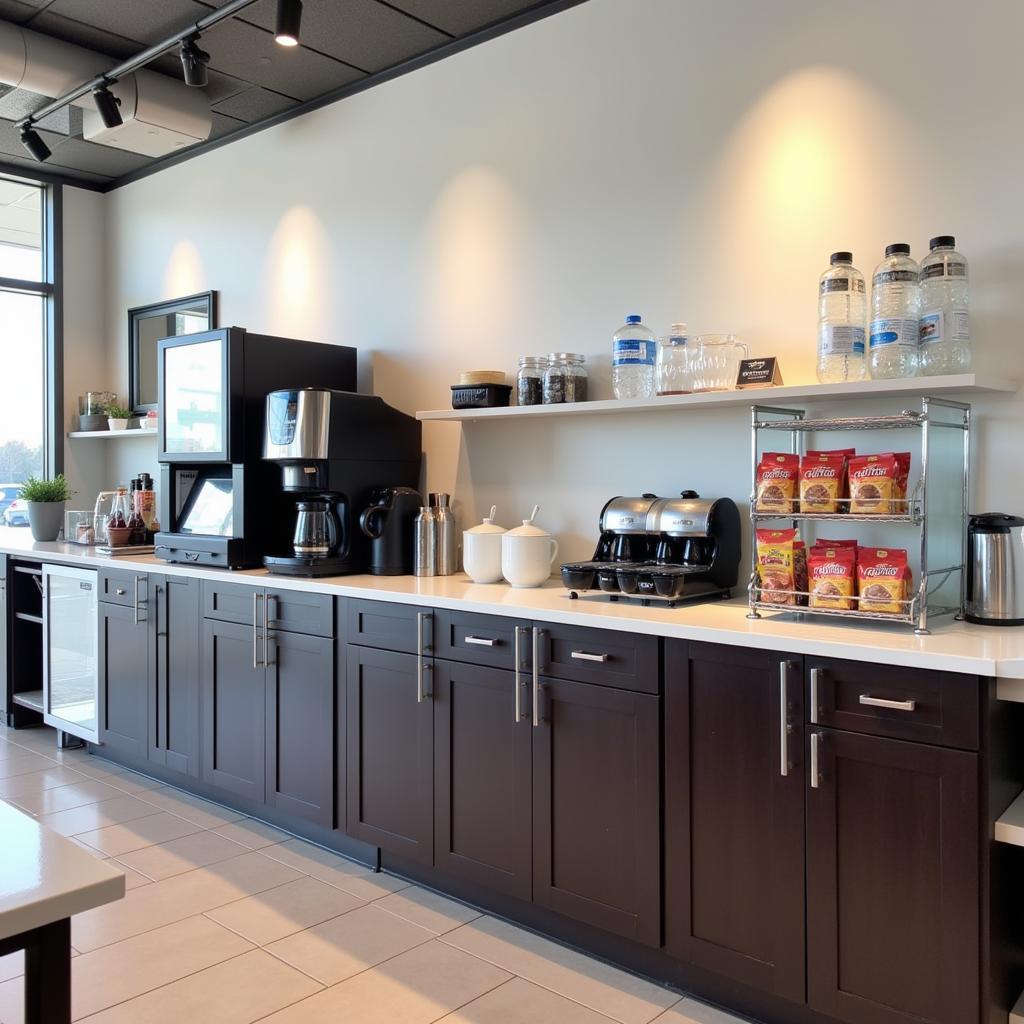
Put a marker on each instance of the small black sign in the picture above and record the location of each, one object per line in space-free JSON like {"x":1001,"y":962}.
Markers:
{"x":759,"y":373}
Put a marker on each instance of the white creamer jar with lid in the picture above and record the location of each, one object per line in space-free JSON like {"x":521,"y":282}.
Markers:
{"x":528,"y":554}
{"x":481,"y":550}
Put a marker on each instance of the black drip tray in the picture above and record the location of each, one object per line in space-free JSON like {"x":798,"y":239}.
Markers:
{"x":307,"y":565}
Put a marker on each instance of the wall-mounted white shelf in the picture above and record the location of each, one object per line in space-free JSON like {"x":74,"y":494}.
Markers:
{"x":114,"y":434}
{"x":1010,"y":824}
{"x":962,"y":383}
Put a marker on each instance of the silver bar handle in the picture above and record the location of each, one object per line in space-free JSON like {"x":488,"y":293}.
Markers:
{"x":815,"y":694}
{"x":266,"y":629}
{"x":882,"y":702}
{"x":584,"y":656}
{"x":815,"y":774}
{"x":784,"y":726}
{"x":518,"y":662}
{"x":255,"y":629}
{"x":535,"y":694}
{"x":482,"y":641}
{"x":135,"y":607}
{"x":421,"y":696}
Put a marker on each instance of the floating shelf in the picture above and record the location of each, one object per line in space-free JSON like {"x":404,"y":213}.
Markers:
{"x":1010,"y":826}
{"x":963,"y":383}
{"x":114,"y":434}
{"x":29,"y":699}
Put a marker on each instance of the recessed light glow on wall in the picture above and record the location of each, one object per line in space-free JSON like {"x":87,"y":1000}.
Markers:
{"x":184,"y":273}
{"x":300,"y":279}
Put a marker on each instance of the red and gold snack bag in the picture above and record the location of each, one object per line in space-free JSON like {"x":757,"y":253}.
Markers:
{"x":776,"y":482}
{"x":847,"y":453}
{"x":902,"y":477}
{"x":821,"y":482}
{"x":822,"y":543}
{"x":874,"y":484}
{"x":883,"y":580}
{"x":833,"y":577}
{"x":776,"y":555}
{"x":800,"y":569}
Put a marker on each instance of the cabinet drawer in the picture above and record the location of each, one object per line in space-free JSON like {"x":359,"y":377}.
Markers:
{"x":480,"y":639}
{"x":293,"y":611}
{"x":390,"y":627}
{"x":606,"y":657}
{"x":231,"y":602}
{"x":119,"y":587}
{"x":899,"y":703}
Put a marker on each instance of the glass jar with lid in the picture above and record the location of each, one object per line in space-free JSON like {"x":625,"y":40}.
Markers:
{"x":554,"y":378}
{"x":575,"y":377}
{"x":674,"y":365}
{"x":530,"y":380}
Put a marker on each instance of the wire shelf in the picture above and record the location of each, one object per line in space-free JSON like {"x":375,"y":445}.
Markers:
{"x":909,"y":615}
{"x":912,"y":514}
{"x":905,"y":419}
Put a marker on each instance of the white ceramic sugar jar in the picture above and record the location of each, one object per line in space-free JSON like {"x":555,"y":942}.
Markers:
{"x":481,"y":550}
{"x":528,"y":554}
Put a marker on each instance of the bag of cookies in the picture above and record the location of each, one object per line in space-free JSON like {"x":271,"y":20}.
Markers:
{"x":800,"y":570}
{"x":883,"y":580}
{"x":821,"y":542}
{"x":847,"y":453}
{"x":821,"y":482}
{"x":776,"y":556}
{"x":874,"y":484}
{"x":776,"y":482}
{"x":902,"y":477}
{"x":833,"y":582}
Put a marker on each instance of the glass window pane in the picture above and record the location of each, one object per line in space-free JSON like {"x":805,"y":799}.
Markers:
{"x":22,"y":397}
{"x":21,"y":230}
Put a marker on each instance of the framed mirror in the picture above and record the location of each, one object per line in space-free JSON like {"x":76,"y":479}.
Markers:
{"x":147,"y":325}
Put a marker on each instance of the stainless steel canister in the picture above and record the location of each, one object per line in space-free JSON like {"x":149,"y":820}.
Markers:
{"x":447,"y":563}
{"x":424,"y":544}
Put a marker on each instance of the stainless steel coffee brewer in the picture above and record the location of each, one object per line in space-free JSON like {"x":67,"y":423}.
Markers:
{"x":662,"y":549}
{"x":336,"y":450}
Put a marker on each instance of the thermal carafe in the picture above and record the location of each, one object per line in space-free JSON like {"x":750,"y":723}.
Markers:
{"x":995,"y":570}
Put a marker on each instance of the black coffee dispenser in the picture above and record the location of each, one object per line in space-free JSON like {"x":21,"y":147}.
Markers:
{"x":388,"y":522}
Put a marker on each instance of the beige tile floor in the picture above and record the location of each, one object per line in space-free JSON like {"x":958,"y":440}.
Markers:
{"x":229,"y":921}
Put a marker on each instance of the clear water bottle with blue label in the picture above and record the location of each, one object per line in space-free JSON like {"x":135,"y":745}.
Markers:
{"x":842,"y":317}
{"x":945,"y":327}
{"x":895,"y":310}
{"x":634,"y":352}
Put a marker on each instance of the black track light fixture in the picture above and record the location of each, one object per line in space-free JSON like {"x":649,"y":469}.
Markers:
{"x":193,"y":62}
{"x":33,"y":142}
{"x":289,"y":20}
{"x":107,"y":105}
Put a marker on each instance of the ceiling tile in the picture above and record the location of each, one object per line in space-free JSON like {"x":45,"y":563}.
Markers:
{"x":224,"y":125}
{"x":92,"y":38}
{"x":91,"y":156}
{"x":363,"y":33}
{"x":254,"y":104}
{"x":462,"y":16}
{"x":12,"y":10}
{"x":132,"y":19}
{"x":28,"y":166}
{"x":10,"y":139}
{"x":219,"y":86}
{"x":247,"y":52}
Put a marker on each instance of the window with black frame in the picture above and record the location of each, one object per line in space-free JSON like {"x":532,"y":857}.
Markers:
{"x":27,"y":384}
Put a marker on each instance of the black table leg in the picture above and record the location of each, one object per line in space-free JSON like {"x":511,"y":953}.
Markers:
{"x":48,"y":974}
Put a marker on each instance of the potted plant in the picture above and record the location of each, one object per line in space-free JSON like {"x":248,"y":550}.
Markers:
{"x":45,"y":500}
{"x":118,"y":416}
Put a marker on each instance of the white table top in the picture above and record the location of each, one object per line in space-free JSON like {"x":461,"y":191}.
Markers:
{"x":45,"y":877}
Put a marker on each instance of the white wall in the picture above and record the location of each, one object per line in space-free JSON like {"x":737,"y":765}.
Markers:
{"x":678,"y":158}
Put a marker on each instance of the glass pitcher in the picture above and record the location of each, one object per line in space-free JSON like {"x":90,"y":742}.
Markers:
{"x":716,"y":362}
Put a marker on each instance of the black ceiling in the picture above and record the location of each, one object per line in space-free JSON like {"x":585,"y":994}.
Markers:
{"x":347,"y":45}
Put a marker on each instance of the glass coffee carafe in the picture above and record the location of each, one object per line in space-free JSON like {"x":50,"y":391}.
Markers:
{"x":316,"y":528}
{"x":716,"y":362}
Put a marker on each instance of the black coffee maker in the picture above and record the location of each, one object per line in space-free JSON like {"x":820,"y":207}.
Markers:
{"x":336,"y":450}
{"x":388,"y":522}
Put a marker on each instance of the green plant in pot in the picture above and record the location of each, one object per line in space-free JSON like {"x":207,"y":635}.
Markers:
{"x":45,"y":500}
{"x":118,"y":416}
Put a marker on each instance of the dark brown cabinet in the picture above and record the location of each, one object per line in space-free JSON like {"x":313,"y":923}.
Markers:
{"x":596,"y":802}
{"x":174,"y":680}
{"x":734,"y":814}
{"x":893,"y":845}
{"x":390,"y":750}
{"x":482,"y":776}
{"x":123,"y":657}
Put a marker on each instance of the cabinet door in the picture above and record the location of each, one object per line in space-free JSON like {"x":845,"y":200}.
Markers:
{"x":734,"y":814}
{"x":482,"y":792}
{"x":390,"y":752}
{"x":390,"y":627}
{"x":596,"y":799}
{"x":300,"y":726}
{"x":893,"y":835}
{"x":174,"y":688}
{"x":233,"y":709}
{"x":124,"y":679}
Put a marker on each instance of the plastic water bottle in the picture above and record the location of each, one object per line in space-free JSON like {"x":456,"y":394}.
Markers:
{"x":945,"y":330}
{"x":895,"y":314}
{"x":842,"y":318}
{"x":634,"y":350}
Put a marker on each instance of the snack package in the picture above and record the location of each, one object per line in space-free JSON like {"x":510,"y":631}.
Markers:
{"x":902,"y":476}
{"x":833,"y":573}
{"x":776,"y":482}
{"x":800,"y":569}
{"x":874,"y":484}
{"x":883,"y":580}
{"x":821,"y":542}
{"x":821,"y":482}
{"x":776,"y":555}
{"x":847,"y":453}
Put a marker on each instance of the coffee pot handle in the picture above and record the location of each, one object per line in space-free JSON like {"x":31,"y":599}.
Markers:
{"x":371,"y":521}
{"x":554,"y":550}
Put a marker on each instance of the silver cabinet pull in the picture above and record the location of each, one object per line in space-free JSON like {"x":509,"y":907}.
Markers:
{"x":481,"y":641}
{"x":120,"y":591}
{"x":815,"y":774}
{"x":135,"y":608}
{"x":266,"y":630}
{"x":784,"y":726}
{"x":882,"y":702}
{"x":815,"y":694}
{"x":584,"y":656}
{"x":255,"y":630}
{"x":535,"y":695}
{"x":421,"y":694}
{"x":518,"y":661}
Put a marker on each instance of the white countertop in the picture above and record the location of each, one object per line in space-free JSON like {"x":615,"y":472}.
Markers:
{"x":45,"y":877}
{"x":952,"y":646}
